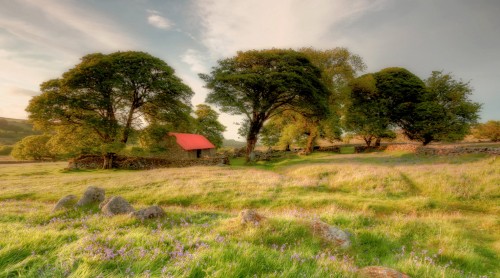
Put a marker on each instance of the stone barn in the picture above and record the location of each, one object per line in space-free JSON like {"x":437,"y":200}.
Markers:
{"x":189,"y":146}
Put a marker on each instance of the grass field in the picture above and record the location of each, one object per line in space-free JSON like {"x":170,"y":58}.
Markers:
{"x":424,"y":216}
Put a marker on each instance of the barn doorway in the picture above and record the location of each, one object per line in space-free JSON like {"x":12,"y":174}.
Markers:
{"x":198,"y":153}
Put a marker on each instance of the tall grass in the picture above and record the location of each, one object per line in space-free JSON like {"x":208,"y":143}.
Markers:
{"x":425,"y":216}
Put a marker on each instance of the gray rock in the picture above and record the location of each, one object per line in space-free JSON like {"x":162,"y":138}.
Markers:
{"x":116,"y":205}
{"x":380,"y":272}
{"x":250,"y":216}
{"x":92,"y":195}
{"x":148,"y":213}
{"x":332,"y":234}
{"x":66,"y":202}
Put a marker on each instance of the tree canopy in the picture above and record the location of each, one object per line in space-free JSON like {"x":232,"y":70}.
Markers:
{"x":208,"y":125}
{"x":438,"y":109}
{"x":260,"y":84}
{"x":367,"y":115}
{"x":445,"y":113}
{"x":109,"y":95}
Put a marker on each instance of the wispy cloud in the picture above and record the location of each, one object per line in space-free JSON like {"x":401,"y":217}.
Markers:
{"x":159,"y":21}
{"x":66,"y":26}
{"x":16,"y":91}
{"x":195,"y":61}
{"x":230,"y":25}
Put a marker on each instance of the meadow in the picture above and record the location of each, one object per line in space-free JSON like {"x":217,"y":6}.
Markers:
{"x":426,"y":216}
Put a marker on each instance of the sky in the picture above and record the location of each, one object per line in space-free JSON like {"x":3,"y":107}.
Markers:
{"x":40,"y":40}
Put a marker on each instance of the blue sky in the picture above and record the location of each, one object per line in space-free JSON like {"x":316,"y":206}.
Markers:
{"x":40,"y":40}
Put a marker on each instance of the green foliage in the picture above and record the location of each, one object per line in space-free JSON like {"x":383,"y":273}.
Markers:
{"x":33,"y":147}
{"x":437,"y":110}
{"x":399,"y":91}
{"x":208,"y":125}
{"x":261,"y":84}
{"x":337,"y":67}
{"x":489,"y":130}
{"x":109,"y":95}
{"x":367,"y":115}
{"x":445,"y":113}
{"x":5,"y":150}
{"x":153,"y":137}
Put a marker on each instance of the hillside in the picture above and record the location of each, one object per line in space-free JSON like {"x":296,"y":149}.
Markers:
{"x":13,"y":130}
{"x":230,"y":143}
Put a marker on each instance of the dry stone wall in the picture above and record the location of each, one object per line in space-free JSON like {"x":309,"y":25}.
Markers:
{"x":139,"y":163}
{"x":443,"y":150}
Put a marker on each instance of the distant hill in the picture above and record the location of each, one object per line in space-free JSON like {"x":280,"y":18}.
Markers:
{"x":230,"y":143}
{"x":13,"y":130}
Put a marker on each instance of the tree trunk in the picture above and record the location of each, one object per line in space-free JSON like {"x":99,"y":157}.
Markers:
{"x":287,"y":148}
{"x":310,"y":142}
{"x":108,"y":161}
{"x":368,"y":140}
{"x":253,"y":132}
{"x":251,"y":142}
{"x":377,"y":142}
{"x":126,"y":130}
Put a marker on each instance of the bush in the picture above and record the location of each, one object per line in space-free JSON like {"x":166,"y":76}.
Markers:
{"x":33,"y":147}
{"x":489,"y":130}
{"x":5,"y":150}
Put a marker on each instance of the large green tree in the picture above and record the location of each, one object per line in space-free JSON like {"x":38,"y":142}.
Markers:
{"x":338,"y":66}
{"x":367,"y":115}
{"x":260,"y":84}
{"x":110,"y":95}
{"x":438,"y":109}
{"x":208,"y":125}
{"x":445,"y":113}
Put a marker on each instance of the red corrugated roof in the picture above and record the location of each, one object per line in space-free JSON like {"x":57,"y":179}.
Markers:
{"x":190,"y":142}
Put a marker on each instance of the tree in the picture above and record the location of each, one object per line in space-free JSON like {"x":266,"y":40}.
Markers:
{"x":208,"y":125}
{"x":71,"y":141}
{"x":489,"y":130}
{"x":437,"y":110}
{"x":366,"y":115}
{"x":261,"y":84}
{"x":110,"y":95}
{"x":33,"y":147}
{"x":338,"y":66}
{"x":445,"y":113}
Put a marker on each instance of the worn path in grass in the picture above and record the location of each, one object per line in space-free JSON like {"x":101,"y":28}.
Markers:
{"x":425,"y":216}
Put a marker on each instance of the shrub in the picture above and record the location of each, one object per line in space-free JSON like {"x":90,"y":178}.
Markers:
{"x":33,"y":147}
{"x":5,"y":150}
{"x":489,"y":130}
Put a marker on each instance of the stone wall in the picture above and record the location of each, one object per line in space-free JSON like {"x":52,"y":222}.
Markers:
{"x":457,"y":150}
{"x":138,"y":163}
{"x":443,"y":150}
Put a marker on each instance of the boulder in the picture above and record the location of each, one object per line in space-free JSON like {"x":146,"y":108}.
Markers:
{"x":380,"y":272}
{"x":250,"y":216}
{"x":148,"y":213}
{"x":92,"y":195}
{"x":66,"y":202}
{"x":331,"y":234}
{"x":116,"y":205}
